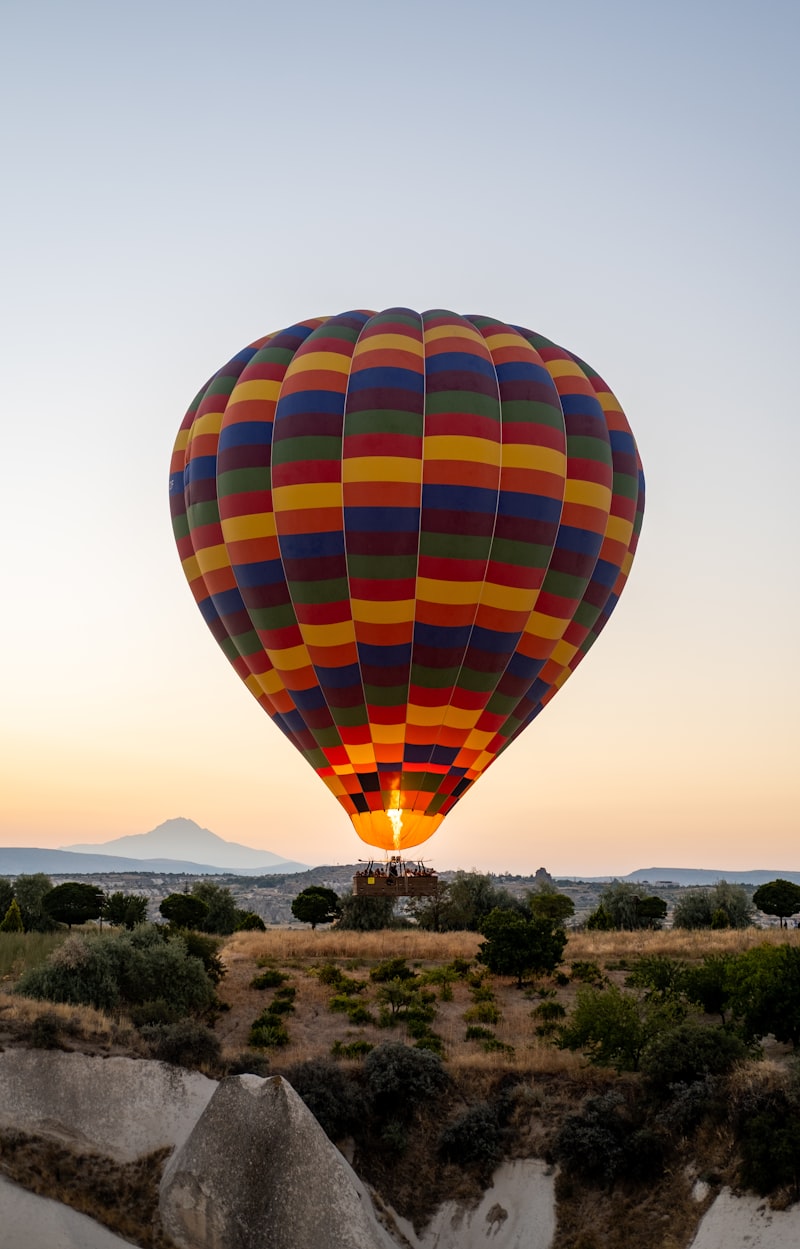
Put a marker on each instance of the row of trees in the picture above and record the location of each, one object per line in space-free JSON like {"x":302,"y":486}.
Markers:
{"x":32,"y":903}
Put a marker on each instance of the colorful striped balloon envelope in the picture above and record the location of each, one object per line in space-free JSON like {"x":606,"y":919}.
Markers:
{"x":405,"y":531}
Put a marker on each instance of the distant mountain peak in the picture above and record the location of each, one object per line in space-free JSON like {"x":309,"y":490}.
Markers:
{"x":182,"y":838}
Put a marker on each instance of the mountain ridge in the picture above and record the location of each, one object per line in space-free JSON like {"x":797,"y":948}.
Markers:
{"x":183,"y":840}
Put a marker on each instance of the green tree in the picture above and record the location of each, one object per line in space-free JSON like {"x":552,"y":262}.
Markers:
{"x":12,"y":921}
{"x":221,"y":915}
{"x":249,"y":921}
{"x":316,"y":905}
{"x":613,"y":1028}
{"x":627,"y":908}
{"x":600,"y":920}
{"x":6,"y":894}
{"x":764,"y":985}
{"x":550,"y":905}
{"x":471,"y":897}
{"x":778,"y":897}
{"x":708,"y":984}
{"x":365,"y":914}
{"x":74,"y":902}
{"x":184,"y":910}
{"x":724,"y":905}
{"x":30,"y":891}
{"x":516,"y":946}
{"x":125,"y":910}
{"x":431,"y":913}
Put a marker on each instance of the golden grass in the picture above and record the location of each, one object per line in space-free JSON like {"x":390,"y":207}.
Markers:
{"x":285,"y":944}
{"x":602,"y":947}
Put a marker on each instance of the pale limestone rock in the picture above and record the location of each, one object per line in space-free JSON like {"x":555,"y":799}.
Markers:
{"x":258,"y":1172}
{"x":31,"y":1222}
{"x":121,"y":1107}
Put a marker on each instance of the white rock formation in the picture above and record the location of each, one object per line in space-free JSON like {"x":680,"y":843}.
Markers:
{"x":31,"y":1222}
{"x":258,"y":1172}
{"x":747,"y":1223}
{"x":517,"y":1212}
{"x":121,"y":1107}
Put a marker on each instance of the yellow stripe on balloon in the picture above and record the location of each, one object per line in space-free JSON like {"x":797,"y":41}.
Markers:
{"x":452,"y":331}
{"x":589,"y":493}
{"x":338,"y":633}
{"x":562,"y":653}
{"x":361,"y":756}
{"x":190,"y":568}
{"x":388,"y":734}
{"x":208,"y":423}
{"x":260,"y":388}
{"x":508,"y":340}
{"x":307,"y":496}
{"x":378,"y":611}
{"x":457,"y":447}
{"x":619,"y":529}
{"x":542,"y":459}
{"x":290,"y":659}
{"x":388,"y":342}
{"x":506,"y":597}
{"x":210,"y":558}
{"x":320,"y":362}
{"x":564,"y":368}
{"x":377,"y":468}
{"x":458,"y":718}
{"x":256,"y":525}
{"x":543,"y":626}
{"x":424,"y":716}
{"x":457,"y":593}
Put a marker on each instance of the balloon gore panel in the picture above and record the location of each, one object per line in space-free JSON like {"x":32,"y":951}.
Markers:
{"x":405,"y":531}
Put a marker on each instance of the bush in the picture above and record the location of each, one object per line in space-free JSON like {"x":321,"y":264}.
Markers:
{"x":248,"y":1063}
{"x":765,"y":1122}
{"x":186,"y":1043}
{"x":483,"y":1012}
{"x":329,"y":1094}
{"x":45,"y":1032}
{"x":475,"y":1032}
{"x":396,"y":1073}
{"x":604,"y":1142}
{"x":687,"y":1053}
{"x":351,"y":1049}
{"x":392,"y":969}
{"x":270,"y":978}
{"x":474,"y":1139}
{"x":659,"y":975}
{"x":268,"y":1032}
{"x":612,"y":1028}
{"x":117,"y":971}
{"x":587,"y":972}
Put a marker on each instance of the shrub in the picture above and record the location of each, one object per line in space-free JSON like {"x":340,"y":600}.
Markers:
{"x":45,"y":1032}
{"x":356,"y":1012}
{"x":392,"y":969}
{"x":587,"y":972}
{"x":612,"y":1028}
{"x":116,"y":971}
{"x":250,"y":922}
{"x":186,"y":1043}
{"x":659,"y":975}
{"x":604,"y":1142}
{"x":687,"y":1053}
{"x":474,"y":1139}
{"x":477,"y":1033}
{"x":330,"y":1096}
{"x":268,"y":1032}
{"x":270,"y":978}
{"x":549,"y":1011}
{"x":398,"y":1073}
{"x":12,"y":921}
{"x":248,"y":1063}
{"x":351,"y":1049}
{"x":483,"y":1012}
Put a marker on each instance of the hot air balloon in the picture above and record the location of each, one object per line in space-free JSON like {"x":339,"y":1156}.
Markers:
{"x":405,"y":531}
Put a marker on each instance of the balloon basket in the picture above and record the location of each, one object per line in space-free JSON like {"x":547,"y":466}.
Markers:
{"x":395,"y":879}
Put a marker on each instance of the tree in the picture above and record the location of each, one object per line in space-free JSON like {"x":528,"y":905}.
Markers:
{"x":472,"y":896}
{"x":431,"y":913}
{"x":184,"y":910}
{"x":515,"y":945}
{"x":74,"y":902}
{"x":622,"y":906}
{"x":6,"y":894}
{"x":724,"y":905}
{"x":30,"y":891}
{"x":613,"y":1028}
{"x":12,"y":922}
{"x":778,"y":897}
{"x":365,"y":914}
{"x":125,"y":910}
{"x":221,"y":914}
{"x":550,"y":905}
{"x":316,"y":905}
{"x":764,"y":985}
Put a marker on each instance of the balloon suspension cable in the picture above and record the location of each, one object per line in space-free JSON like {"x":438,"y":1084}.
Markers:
{"x":396,"y":821}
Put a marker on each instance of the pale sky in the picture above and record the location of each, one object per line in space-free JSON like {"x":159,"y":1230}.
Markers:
{"x":180,"y":179}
